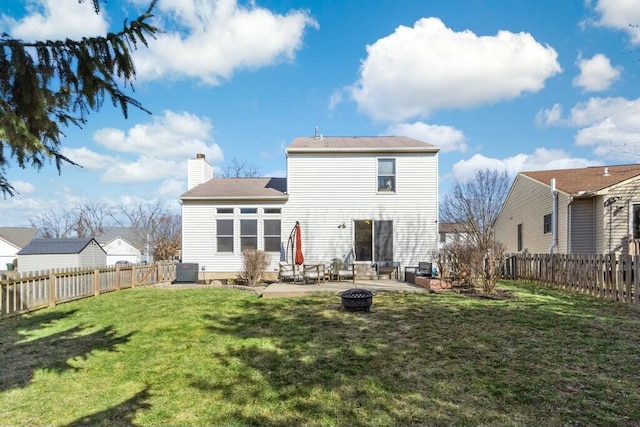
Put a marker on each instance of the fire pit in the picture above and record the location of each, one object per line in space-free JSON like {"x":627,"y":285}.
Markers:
{"x":357,"y":298}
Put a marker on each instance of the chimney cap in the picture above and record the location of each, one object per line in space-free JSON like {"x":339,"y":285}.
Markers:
{"x":200,"y":156}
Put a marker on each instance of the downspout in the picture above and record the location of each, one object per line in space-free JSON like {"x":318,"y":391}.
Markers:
{"x":554,"y":216}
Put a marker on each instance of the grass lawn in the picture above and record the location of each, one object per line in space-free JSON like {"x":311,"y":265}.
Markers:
{"x":150,"y":356}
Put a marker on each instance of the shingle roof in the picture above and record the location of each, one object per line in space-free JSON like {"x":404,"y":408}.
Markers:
{"x":136,"y":236}
{"x":360,"y":144}
{"x":18,"y":236}
{"x":56,"y":246}
{"x":451,"y":227}
{"x":591,"y":179}
{"x":238,"y":188}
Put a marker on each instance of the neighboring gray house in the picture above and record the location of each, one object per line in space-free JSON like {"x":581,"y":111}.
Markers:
{"x":598,"y":211}
{"x":12,"y":239}
{"x":50,"y":254}
{"x":125,"y":244}
{"x":365,"y":199}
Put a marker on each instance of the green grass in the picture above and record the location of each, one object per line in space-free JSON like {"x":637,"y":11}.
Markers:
{"x":225,"y":357}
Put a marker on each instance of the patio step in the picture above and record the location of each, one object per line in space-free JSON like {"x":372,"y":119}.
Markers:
{"x":366,"y":272}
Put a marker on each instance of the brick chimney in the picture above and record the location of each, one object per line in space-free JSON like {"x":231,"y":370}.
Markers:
{"x":198,"y":171}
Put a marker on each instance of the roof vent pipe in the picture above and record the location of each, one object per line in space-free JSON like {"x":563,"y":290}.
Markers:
{"x":554,"y":216}
{"x":606,"y":171}
{"x":317,"y":134}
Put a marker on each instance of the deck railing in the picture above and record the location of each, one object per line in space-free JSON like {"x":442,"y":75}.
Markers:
{"x":35,"y":290}
{"x":605,"y":276}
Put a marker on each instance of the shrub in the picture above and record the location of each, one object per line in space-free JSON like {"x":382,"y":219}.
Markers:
{"x":255,"y":264}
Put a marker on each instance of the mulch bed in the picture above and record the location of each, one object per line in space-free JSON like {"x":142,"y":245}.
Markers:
{"x":437,"y":284}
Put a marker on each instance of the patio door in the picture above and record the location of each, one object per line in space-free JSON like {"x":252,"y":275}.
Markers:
{"x":373,"y":240}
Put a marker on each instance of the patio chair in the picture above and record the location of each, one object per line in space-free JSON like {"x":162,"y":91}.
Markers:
{"x":387,"y":268}
{"x":340,"y":270}
{"x":286,"y":272}
{"x":311,"y":272}
{"x":424,"y":269}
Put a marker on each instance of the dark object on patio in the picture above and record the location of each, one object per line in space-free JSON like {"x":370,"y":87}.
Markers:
{"x":424,"y":269}
{"x":357,"y":298}
{"x":384,"y":268}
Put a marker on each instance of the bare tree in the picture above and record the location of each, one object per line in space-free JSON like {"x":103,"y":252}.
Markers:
{"x":86,"y":219}
{"x":474,"y":205}
{"x":91,"y":218}
{"x":167,"y":239}
{"x":53,"y":224}
{"x":239,"y":169}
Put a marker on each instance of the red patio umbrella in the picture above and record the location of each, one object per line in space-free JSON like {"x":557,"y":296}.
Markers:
{"x":299,"y":257}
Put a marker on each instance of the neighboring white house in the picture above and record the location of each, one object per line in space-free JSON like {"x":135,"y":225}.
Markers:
{"x":365,"y":199}
{"x":451,"y":232}
{"x":598,"y":211}
{"x":12,"y":239}
{"x":124,"y":244}
{"x":50,"y":254}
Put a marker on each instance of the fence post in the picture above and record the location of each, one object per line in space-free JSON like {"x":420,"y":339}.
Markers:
{"x":52,"y":290}
{"x":96,"y":283}
{"x":133,"y":276}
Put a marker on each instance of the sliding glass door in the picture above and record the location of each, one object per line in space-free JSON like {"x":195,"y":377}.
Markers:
{"x":373,"y":240}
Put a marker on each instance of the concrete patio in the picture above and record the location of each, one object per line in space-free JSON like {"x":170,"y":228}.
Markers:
{"x":298,"y":289}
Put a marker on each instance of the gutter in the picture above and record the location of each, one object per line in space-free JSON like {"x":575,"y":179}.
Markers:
{"x":554,"y":216}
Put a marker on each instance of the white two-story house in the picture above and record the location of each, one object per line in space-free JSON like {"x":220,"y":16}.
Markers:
{"x":361,"y":199}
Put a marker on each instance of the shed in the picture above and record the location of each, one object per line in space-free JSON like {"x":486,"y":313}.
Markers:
{"x":49,"y":254}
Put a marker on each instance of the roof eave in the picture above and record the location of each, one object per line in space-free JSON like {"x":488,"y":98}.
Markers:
{"x":227,"y":198}
{"x":425,"y":150}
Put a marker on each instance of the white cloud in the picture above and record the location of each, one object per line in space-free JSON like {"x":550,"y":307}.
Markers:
{"x":622,"y":15}
{"x":446,"y":137}
{"x":540,"y":159}
{"x":596,"y":74}
{"x":429,"y":67}
{"x":144,"y":169}
{"x":172,"y":188}
{"x":549,"y":116}
{"x":23,"y":187}
{"x":169,"y":136}
{"x":611,"y":126}
{"x":88,"y":159}
{"x":210,"y":39}
{"x":56,"y":20}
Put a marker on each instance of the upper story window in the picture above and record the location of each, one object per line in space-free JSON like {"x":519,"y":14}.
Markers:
{"x":248,"y":210}
{"x":546,"y":226}
{"x":224,"y":210}
{"x":272,"y":210}
{"x":387,"y":175}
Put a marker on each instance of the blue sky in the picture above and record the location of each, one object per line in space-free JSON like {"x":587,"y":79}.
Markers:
{"x":515,"y":85}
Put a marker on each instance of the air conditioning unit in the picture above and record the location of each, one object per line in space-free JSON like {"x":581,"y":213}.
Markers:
{"x":187,"y":272}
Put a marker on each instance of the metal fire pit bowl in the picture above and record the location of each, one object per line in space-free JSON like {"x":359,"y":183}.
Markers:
{"x":355,"y":298}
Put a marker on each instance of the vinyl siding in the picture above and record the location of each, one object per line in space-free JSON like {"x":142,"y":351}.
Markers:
{"x":43,"y":262}
{"x":121,"y":250}
{"x":629,"y":194}
{"x":527,"y":204}
{"x":199,"y":235}
{"x":327,"y":191}
{"x":583,"y":223}
{"x":7,"y":253}
{"x":92,"y":256}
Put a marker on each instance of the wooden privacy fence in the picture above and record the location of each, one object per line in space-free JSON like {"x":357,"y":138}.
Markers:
{"x":41,"y":289}
{"x":605,"y":276}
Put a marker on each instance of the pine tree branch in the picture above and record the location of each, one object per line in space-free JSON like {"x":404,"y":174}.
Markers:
{"x":48,"y":84}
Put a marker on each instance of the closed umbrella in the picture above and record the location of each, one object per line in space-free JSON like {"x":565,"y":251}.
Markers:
{"x":299,"y":257}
